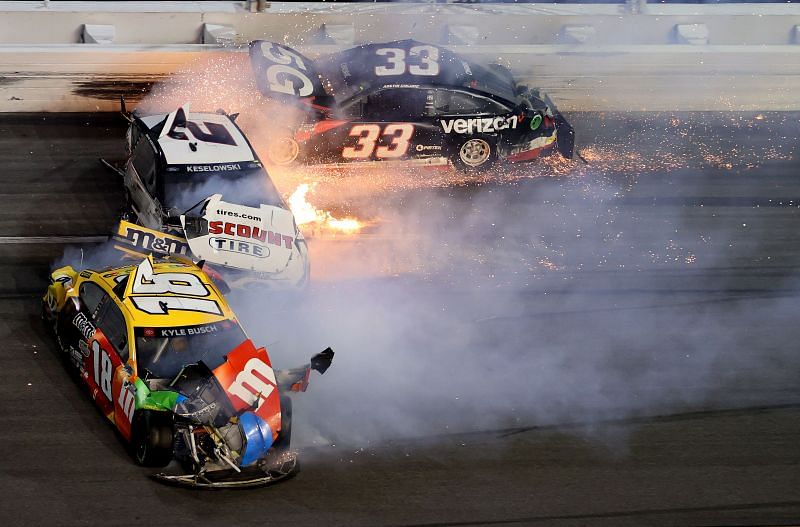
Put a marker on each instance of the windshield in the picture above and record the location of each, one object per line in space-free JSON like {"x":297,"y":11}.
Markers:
{"x":162,"y":352}
{"x":250,"y":188}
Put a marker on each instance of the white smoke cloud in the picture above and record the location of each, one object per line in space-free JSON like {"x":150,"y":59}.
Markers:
{"x":482,"y":306}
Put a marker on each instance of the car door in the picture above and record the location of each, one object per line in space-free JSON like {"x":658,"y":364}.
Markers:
{"x":385,"y":125}
{"x":393,"y":125}
{"x":140,"y":182}
{"x":103,"y":344}
{"x":115,"y":327}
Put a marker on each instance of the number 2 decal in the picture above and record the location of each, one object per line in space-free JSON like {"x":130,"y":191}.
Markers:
{"x":368,"y":134}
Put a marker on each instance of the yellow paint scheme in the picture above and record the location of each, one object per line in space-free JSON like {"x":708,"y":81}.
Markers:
{"x":66,"y":282}
{"x":138,"y":318}
{"x":61,"y":280}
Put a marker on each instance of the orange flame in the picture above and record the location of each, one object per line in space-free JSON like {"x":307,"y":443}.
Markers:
{"x":306,"y":214}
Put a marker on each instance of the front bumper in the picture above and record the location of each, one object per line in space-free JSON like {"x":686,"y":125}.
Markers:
{"x":295,"y":276}
{"x":263,"y":474}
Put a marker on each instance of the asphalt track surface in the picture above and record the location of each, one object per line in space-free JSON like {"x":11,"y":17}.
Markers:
{"x":728,"y":457}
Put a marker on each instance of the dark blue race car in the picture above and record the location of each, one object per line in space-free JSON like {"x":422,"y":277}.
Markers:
{"x":405,"y":102}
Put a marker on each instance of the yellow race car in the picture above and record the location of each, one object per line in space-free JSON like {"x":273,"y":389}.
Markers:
{"x":167,"y":362}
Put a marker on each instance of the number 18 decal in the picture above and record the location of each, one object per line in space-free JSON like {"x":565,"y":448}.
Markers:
{"x":127,"y":401}
{"x":368,"y":134}
{"x":102,"y":368}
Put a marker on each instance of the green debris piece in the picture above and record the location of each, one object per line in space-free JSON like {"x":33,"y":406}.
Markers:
{"x":157,"y":400}
{"x":536,"y":122}
{"x":142,"y":391}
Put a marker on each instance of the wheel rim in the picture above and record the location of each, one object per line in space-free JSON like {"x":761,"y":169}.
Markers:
{"x":283,"y":151}
{"x":475,"y":152}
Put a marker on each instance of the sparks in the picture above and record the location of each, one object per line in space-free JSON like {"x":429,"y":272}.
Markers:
{"x":306,"y":214}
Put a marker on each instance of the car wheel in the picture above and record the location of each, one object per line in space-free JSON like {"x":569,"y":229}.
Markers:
{"x":49,"y":319}
{"x":152,"y":438}
{"x":285,"y":435}
{"x":475,"y":155}
{"x":47,"y":315}
{"x":283,"y":150}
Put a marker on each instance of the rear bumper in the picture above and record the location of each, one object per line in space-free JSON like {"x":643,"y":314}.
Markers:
{"x":532,"y":149}
{"x":562,"y":139}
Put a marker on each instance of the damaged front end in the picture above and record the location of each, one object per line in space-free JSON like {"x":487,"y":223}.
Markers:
{"x":221,"y":445}
{"x":218,"y":446}
{"x":248,"y":245}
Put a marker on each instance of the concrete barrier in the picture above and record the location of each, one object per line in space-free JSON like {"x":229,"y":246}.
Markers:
{"x":160,"y":23}
{"x":707,"y":78}
{"x":591,"y":57}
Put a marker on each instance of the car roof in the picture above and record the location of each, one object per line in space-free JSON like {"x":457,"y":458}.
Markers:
{"x":179,"y":152}
{"x":350,"y":72}
{"x":110,"y":278}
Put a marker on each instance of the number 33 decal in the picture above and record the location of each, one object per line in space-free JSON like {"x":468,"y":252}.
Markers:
{"x":368,"y":135}
{"x":427,"y":56}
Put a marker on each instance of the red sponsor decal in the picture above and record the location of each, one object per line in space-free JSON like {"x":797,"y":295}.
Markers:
{"x":528,"y":154}
{"x":247,"y":232}
{"x":319,"y":128}
{"x":249,"y":380}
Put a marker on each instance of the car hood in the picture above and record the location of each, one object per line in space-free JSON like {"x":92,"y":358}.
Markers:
{"x":249,"y":381}
{"x":245,"y":378}
{"x":260,"y":239}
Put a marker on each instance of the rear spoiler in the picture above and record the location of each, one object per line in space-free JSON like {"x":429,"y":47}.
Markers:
{"x":285,"y":75}
{"x":565,"y":133}
{"x":565,"y":136}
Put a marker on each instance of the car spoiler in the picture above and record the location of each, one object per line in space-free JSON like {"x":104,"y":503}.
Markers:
{"x":565,"y":136}
{"x":565,"y":133}
{"x":284,"y":74}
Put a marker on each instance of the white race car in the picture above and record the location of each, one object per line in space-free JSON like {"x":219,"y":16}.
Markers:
{"x":194,"y":185}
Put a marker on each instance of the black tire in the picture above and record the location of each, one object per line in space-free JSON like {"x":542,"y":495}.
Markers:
{"x":475,"y":154}
{"x":50,"y":320}
{"x":152,"y":438}
{"x":284,"y":440}
{"x":47,"y":316}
